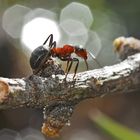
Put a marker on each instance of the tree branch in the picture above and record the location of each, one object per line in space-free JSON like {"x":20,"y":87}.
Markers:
{"x":59,"y":95}
{"x":35,"y":91}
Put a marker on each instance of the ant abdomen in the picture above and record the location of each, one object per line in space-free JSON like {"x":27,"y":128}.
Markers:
{"x":37,"y":56}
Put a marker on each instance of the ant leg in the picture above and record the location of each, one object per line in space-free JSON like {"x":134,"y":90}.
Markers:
{"x":76,"y":67}
{"x":69,"y":67}
{"x":69,"y":64}
{"x":86,"y":63}
{"x":52,"y":44}
{"x":51,"y":39}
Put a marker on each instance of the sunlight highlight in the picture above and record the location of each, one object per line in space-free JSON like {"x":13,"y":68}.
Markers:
{"x":35,"y":32}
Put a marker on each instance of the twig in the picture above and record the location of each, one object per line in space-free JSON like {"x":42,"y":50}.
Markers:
{"x":59,"y":96}
{"x":35,"y":91}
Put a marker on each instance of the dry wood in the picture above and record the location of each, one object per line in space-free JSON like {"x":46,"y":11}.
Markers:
{"x":59,"y":95}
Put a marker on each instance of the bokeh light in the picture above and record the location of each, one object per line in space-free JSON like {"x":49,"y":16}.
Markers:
{"x":40,"y":12}
{"x":75,"y":31}
{"x":35,"y":32}
{"x":12,"y":21}
{"x":93,"y":43}
{"x":77,"y":11}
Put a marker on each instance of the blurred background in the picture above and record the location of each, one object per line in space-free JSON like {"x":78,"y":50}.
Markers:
{"x":25,"y":24}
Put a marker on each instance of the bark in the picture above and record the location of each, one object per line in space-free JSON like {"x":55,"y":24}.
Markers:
{"x":59,"y":96}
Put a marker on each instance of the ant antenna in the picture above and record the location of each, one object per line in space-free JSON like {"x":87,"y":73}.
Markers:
{"x":86,"y":63}
{"x":94,"y":58}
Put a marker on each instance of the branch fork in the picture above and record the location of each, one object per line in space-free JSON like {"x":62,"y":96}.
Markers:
{"x":59,"y":96}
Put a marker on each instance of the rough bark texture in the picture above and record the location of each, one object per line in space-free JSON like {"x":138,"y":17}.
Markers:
{"x":35,"y":91}
{"x":59,"y":96}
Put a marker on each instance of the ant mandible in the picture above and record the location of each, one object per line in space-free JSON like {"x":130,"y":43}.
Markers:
{"x":41,"y":55}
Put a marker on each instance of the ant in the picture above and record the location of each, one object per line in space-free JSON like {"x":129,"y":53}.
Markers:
{"x":41,"y":55}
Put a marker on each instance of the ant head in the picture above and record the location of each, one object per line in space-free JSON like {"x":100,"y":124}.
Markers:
{"x":79,"y":48}
{"x":81,"y":52}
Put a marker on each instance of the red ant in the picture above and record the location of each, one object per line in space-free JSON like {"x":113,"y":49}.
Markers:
{"x":40,"y":55}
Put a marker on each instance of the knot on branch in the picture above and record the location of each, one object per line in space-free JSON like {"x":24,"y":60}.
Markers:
{"x":55,"y":118}
{"x":126,"y":46}
{"x":4,"y":91}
